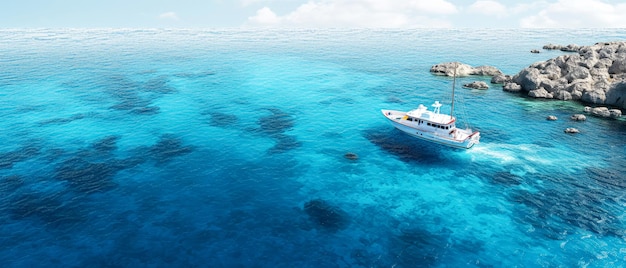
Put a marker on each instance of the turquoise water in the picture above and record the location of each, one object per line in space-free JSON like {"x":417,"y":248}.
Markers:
{"x":226,"y":148}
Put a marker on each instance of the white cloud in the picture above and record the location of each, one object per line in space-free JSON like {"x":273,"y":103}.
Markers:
{"x":578,"y":13}
{"x":169,"y":16}
{"x":360,"y":13}
{"x":264,"y":16}
{"x":488,"y":7}
{"x":246,"y":3}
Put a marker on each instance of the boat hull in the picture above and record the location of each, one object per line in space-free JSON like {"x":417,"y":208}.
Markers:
{"x":396,"y":119}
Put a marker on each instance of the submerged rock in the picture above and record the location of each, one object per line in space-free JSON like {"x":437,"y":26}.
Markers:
{"x":571,"y":130}
{"x":551,"y":118}
{"x":351,"y":156}
{"x":325,"y":215}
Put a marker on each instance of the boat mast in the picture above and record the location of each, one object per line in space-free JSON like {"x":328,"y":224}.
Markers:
{"x":456,"y":65}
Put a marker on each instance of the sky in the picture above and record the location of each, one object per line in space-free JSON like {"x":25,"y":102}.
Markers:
{"x":396,"y":14}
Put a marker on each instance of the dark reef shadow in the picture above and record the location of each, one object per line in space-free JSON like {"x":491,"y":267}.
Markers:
{"x":328,"y":217}
{"x":222,"y":119}
{"x":406,"y":148}
{"x":8,"y":159}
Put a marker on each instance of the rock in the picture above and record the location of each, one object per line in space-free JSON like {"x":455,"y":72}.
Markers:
{"x":601,"y":112}
{"x":551,"y":118}
{"x":571,"y":130}
{"x":551,"y":47}
{"x":535,"y":51}
{"x":615,"y":113}
{"x":577,"y":72}
{"x":540,"y":93}
{"x":486,"y":71}
{"x":570,"y":48}
{"x":477,"y":85}
{"x":604,"y":112}
{"x":595,"y":75}
{"x":529,"y":78}
{"x":595,"y":96}
{"x":500,"y":79}
{"x":447,"y":69}
{"x":512,"y":87}
{"x":564,"y":95}
{"x":351,"y":156}
{"x":616,"y":94}
{"x":618,"y":66}
{"x":578,"y":117}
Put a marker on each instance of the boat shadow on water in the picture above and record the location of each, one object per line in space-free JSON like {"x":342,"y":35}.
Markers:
{"x":409,"y":149}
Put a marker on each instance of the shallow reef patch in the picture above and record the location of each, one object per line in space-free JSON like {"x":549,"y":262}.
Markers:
{"x":416,"y":247}
{"x":284,"y":143}
{"x":556,"y":213}
{"x":49,"y":208}
{"x":222,"y":119}
{"x":8,"y":159}
{"x":88,"y":177}
{"x":277,"y":122}
{"x":168,"y":147}
{"x":326,"y":216}
{"x":275,"y":125}
{"x":59,"y":121}
{"x":147,"y":110}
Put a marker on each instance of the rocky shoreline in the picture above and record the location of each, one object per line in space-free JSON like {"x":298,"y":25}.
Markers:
{"x":594,"y":75}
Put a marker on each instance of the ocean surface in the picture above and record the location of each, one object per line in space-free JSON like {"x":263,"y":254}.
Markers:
{"x":227,"y":148}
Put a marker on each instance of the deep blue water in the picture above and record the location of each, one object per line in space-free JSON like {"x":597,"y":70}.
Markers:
{"x":226,"y":148}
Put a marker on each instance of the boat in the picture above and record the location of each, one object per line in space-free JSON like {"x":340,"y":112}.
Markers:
{"x":434,"y":126}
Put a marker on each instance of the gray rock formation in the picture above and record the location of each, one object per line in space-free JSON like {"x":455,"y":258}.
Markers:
{"x":601,"y":112}
{"x":551,"y":118}
{"x":551,"y":47}
{"x":477,"y":85}
{"x":512,"y":87}
{"x":571,"y":130}
{"x":447,"y":69}
{"x":578,"y":117}
{"x":486,"y":71}
{"x":596,"y":75}
{"x":540,"y":93}
{"x":604,"y":112}
{"x":615,"y":113}
{"x":568,"y":48}
{"x":501,"y":79}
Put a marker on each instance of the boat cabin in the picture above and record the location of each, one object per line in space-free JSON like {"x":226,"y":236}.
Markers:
{"x":431,"y":119}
